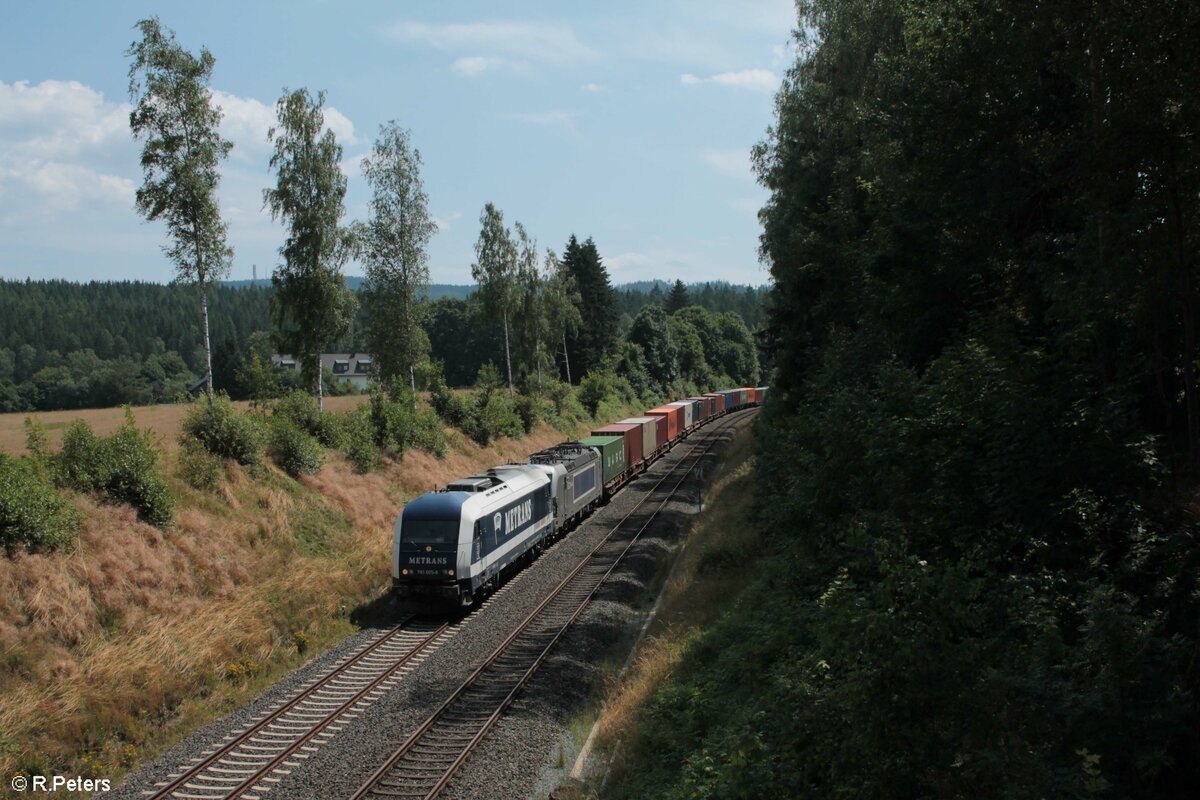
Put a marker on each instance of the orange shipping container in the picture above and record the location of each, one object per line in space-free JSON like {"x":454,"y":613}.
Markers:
{"x":674,"y":418}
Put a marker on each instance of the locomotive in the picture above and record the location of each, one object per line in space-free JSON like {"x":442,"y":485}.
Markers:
{"x":455,"y":545}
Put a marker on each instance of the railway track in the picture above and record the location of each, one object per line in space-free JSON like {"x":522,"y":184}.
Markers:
{"x":426,"y":762}
{"x":249,"y":762}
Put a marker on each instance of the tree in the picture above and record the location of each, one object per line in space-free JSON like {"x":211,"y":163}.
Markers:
{"x":495,"y":270}
{"x":311,"y":305}
{"x":597,"y":336}
{"x":394,"y":244}
{"x":677,"y":298}
{"x":562,"y":302}
{"x":530,"y":291}
{"x":651,"y":332}
{"x":174,"y":114}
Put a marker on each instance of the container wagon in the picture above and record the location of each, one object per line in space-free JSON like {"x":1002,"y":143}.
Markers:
{"x":689,"y":422}
{"x":651,"y":446}
{"x":718,"y":401}
{"x":634,"y":457}
{"x":673,"y":417}
{"x":611,"y":450}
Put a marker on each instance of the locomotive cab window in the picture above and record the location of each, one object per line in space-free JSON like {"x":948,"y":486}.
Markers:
{"x":429,"y":531}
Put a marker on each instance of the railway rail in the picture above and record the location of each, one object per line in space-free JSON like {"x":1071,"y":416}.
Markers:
{"x":248,"y":763}
{"x":428,"y":759}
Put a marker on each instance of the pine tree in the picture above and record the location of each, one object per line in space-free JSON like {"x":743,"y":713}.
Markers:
{"x":596,"y":338}
{"x":677,"y":298}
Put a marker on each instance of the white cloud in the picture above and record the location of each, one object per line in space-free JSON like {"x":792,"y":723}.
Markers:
{"x":341,"y":126}
{"x":58,"y":119}
{"x":757,"y":79}
{"x":495,"y":44}
{"x":445,"y":222}
{"x":593,"y":87}
{"x":60,"y":186}
{"x":735,"y":163}
{"x":473,"y":65}
{"x":547,"y":119}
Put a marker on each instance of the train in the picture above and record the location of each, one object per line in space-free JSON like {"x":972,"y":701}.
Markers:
{"x":456,"y":545}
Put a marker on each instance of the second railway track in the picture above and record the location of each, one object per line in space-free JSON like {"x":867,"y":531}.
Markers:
{"x":428,"y":759}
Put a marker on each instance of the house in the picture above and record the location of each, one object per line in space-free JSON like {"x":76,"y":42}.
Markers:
{"x":355,"y":368}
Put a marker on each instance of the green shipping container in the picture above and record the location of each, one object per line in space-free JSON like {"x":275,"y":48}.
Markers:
{"x":612,"y":454}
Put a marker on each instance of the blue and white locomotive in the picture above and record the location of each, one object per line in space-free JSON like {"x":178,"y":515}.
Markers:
{"x":455,"y":544}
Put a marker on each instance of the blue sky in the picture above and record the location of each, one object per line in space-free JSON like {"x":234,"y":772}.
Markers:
{"x":630,"y":122}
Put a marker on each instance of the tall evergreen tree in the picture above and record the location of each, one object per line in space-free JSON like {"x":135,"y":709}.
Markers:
{"x":495,"y":270}
{"x":311,"y":304}
{"x":677,"y":298}
{"x":394,"y":244}
{"x":596,"y":338}
{"x":173,"y":112}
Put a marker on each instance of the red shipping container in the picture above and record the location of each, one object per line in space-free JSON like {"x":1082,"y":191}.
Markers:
{"x":633,"y":441}
{"x":717,"y":401}
{"x":674,"y":417}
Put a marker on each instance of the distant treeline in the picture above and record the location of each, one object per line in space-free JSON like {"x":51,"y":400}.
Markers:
{"x":78,"y":345}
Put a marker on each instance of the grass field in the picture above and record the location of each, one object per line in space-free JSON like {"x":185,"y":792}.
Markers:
{"x":162,"y":419}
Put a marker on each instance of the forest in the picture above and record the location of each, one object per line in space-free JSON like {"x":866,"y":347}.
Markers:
{"x":105,"y":343}
{"x":978,"y":463}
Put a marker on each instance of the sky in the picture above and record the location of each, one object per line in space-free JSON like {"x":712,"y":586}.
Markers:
{"x":627,"y":122}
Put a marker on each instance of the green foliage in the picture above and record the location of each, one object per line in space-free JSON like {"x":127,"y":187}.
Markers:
{"x":33,"y":513}
{"x":529,"y":410}
{"x":199,"y":468}
{"x":123,"y":467}
{"x":394,"y":244}
{"x":311,"y":305}
{"x":596,"y":387}
{"x":223,"y":430}
{"x":391,"y":420}
{"x":358,"y":440}
{"x":427,"y":432}
{"x":596,"y":337}
{"x":294,"y":449}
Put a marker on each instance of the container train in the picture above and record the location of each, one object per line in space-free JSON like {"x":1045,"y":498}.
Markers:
{"x":455,"y":545}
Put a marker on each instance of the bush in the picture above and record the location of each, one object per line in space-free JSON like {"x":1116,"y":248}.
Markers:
{"x":358,"y":440}
{"x":223,"y":430}
{"x":492,"y":416}
{"x":391,"y":420}
{"x":596,"y":387}
{"x":295,"y":451}
{"x":33,"y":513}
{"x":448,"y":405}
{"x":529,"y":411}
{"x":199,"y":468}
{"x":123,"y":467}
{"x":299,"y":408}
{"x":428,"y":433}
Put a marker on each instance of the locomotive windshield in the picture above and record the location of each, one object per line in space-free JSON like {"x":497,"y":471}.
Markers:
{"x":429,"y":531}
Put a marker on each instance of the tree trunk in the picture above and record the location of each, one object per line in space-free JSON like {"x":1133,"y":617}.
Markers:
{"x":507,"y":357}
{"x":412,"y":381}
{"x":208,"y":386}
{"x":566,"y":358}
{"x":538,"y":359}
{"x":319,"y":388}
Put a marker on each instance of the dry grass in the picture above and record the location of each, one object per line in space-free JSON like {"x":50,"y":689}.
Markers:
{"x":162,"y":419}
{"x":112,"y":651}
{"x":714,"y":565}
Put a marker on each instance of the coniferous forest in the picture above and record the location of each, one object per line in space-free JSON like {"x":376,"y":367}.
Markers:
{"x":978,"y":467}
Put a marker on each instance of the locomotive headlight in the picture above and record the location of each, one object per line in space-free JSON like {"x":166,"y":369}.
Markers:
{"x":450,"y":572}
{"x":404,"y":572}
{"x":428,"y":548}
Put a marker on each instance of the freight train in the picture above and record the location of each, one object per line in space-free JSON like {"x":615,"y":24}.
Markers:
{"x":455,"y":545}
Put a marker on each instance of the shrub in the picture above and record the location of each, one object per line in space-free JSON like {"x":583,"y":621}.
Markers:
{"x":448,"y":405}
{"x":223,"y":430}
{"x":299,"y":408}
{"x":597,"y":386}
{"x":123,"y":467}
{"x":492,"y":416}
{"x":358,"y":440}
{"x":529,"y":411}
{"x":199,"y":468}
{"x":33,"y":513}
{"x":294,"y":450}
{"x":129,"y":473}
{"x":428,"y":432}
{"x":391,"y":420}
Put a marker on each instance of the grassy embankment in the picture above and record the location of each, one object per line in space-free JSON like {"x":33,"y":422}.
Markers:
{"x":690,"y":641}
{"x":114,"y":649}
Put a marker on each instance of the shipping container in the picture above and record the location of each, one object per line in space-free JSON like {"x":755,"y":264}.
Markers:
{"x":650,"y":442}
{"x":761,"y":394}
{"x":731,"y":403}
{"x":718,"y":401}
{"x":701,"y":408}
{"x":688,"y":410}
{"x":674,"y":418}
{"x":751,"y":397}
{"x":633,"y":443}
{"x":612,"y":455}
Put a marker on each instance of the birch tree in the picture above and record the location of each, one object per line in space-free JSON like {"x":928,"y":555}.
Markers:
{"x":311,"y":305}
{"x":394,"y":244}
{"x":561,"y":300}
{"x":495,"y":270}
{"x":173,"y":114}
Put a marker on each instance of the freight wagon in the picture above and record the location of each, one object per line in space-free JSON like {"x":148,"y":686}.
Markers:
{"x":673,"y":417}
